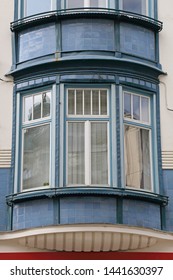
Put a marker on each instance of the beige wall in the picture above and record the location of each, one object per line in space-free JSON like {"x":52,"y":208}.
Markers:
{"x":166,"y":82}
{"x":6,"y":88}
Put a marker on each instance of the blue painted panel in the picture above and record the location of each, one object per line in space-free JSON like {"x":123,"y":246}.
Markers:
{"x":168,"y":188}
{"x":88,"y":210}
{"x":137,"y":41}
{"x":4,"y":190}
{"x":88,"y":34}
{"x":37,"y":41}
{"x":33,"y":214}
{"x":141,"y":213}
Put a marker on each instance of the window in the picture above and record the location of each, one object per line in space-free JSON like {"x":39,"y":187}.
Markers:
{"x":32,"y":7}
{"x":137,"y":142}
{"x":36,"y":140}
{"x":87,"y":137}
{"x":135,"y":6}
{"x":86,"y":3}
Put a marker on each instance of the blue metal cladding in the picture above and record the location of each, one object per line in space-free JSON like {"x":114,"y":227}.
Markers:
{"x":37,"y":41}
{"x":168,"y":188}
{"x":88,"y":34}
{"x":4,"y":190}
{"x":138,"y":41}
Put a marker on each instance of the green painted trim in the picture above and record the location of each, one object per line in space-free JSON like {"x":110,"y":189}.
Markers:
{"x":87,"y":191}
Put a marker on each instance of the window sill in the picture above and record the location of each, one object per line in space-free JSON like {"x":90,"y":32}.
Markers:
{"x":88,"y":191}
{"x":87,"y":12}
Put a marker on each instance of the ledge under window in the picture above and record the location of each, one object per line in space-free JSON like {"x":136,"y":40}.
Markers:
{"x":80,"y":191}
{"x":87,"y":12}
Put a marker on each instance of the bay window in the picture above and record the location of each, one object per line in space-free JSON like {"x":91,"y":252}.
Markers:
{"x":36,"y":140}
{"x":144,"y":7}
{"x":137,"y":141}
{"x":87,"y":137}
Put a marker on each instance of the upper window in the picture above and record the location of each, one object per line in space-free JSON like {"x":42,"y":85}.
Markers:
{"x":85,"y":3}
{"x":32,"y":7}
{"x":36,"y":140}
{"x":137,"y":141}
{"x":87,"y":137}
{"x":143,"y":7}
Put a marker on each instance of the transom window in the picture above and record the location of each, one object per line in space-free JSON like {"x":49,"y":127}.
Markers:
{"x":87,"y":137}
{"x":36,"y":140}
{"x":137,"y":141}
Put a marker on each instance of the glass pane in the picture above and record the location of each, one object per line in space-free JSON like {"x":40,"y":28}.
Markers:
{"x":36,"y":7}
{"x":79,"y":102}
{"x":76,"y":153}
{"x":75,"y":4}
{"x":71,"y":102}
{"x":36,"y":154}
{"x":137,"y":158}
{"x":135,"y":6}
{"x":87,"y":102}
{"x":37,"y":106}
{"x":136,"y":107}
{"x":99,"y":154}
{"x":145,"y":109}
{"x":28,"y":104}
{"x":95,"y":102}
{"x":46,"y":99}
{"x":127,"y":105}
{"x":103,"y":102}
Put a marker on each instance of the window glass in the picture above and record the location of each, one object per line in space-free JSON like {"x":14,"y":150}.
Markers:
{"x":99,"y":154}
{"x":76,"y":153}
{"x":87,"y":34}
{"x":37,"y":41}
{"x":137,"y":41}
{"x":85,"y":3}
{"x":137,"y":157}
{"x":87,"y":140}
{"x":35,"y":7}
{"x":36,"y":153}
{"x":135,"y":6}
{"x":145,"y":109}
{"x":127,"y":105}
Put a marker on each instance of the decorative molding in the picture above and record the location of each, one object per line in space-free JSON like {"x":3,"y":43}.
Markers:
{"x":5,"y":158}
{"x":167,"y":159}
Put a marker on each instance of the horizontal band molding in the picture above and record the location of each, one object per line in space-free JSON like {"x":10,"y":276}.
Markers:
{"x":167,"y":159}
{"x":87,"y":12}
{"x":5,"y":158}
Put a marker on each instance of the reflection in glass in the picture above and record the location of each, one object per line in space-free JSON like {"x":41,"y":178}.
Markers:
{"x":145,"y":109}
{"x":35,"y":7}
{"x":127,"y":105}
{"x":137,"y":157}
{"x":75,"y":4}
{"x":99,"y":154}
{"x":71,"y":102}
{"x":46,"y":100}
{"x":76,"y":153}
{"x":37,"y":106}
{"x":136,"y":107}
{"x":28,"y":104}
{"x":135,"y":6}
{"x":36,"y":153}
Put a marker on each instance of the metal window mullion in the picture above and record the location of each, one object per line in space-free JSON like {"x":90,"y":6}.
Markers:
{"x":87,"y":153}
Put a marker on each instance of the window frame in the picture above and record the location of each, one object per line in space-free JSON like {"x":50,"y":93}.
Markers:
{"x":32,"y":124}
{"x":142,"y":125}
{"x":87,"y":120}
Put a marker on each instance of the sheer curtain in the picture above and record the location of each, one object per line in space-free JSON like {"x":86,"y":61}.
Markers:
{"x":76,"y":153}
{"x":137,"y":157}
{"x":99,"y":154}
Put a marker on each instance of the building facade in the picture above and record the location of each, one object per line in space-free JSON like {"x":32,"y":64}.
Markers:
{"x":86,"y":149}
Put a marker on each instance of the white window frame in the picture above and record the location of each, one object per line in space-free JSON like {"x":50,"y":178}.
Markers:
{"x":141,"y":125}
{"x":32,"y":124}
{"x":87,"y":120}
